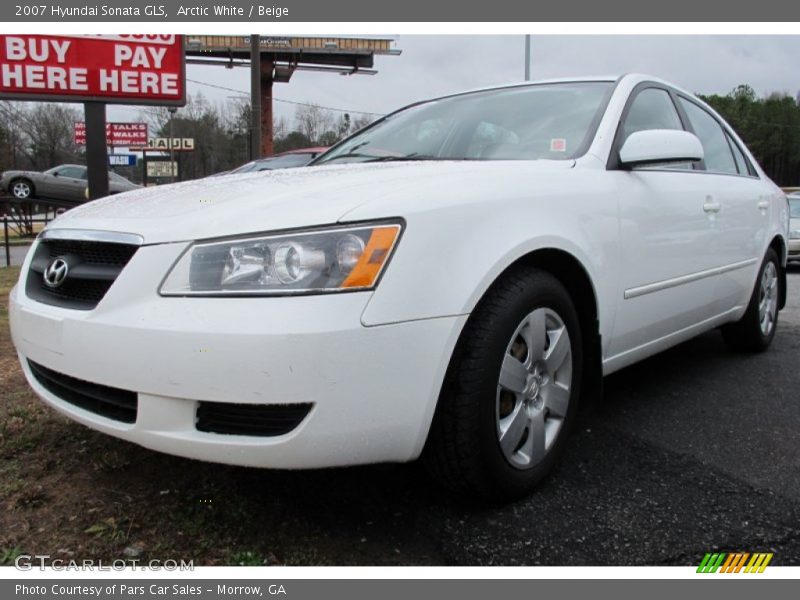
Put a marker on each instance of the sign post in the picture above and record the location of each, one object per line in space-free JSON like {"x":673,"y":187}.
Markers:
{"x":95,"y":70}
{"x":96,"y":149}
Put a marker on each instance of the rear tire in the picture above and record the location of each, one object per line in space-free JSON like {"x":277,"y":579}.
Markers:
{"x":511,"y":392}
{"x":21,"y":189}
{"x":755,"y":330}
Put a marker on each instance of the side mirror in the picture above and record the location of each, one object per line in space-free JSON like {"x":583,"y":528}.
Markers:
{"x":660,"y":146}
{"x":55,"y":174}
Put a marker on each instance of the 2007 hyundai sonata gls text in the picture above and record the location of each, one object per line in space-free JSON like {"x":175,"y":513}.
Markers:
{"x":447,"y":283}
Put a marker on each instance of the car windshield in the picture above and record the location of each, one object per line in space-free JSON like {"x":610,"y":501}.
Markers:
{"x":541,"y":121}
{"x":794,"y":207}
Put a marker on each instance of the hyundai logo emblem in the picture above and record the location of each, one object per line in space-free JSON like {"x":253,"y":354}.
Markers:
{"x":56,"y":272}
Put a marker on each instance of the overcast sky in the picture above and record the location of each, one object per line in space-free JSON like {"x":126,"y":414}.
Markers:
{"x":432,"y":65}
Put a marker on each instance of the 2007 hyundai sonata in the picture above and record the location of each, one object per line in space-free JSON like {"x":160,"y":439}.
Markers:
{"x":449,"y":282}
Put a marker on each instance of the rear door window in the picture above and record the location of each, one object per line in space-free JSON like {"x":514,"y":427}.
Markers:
{"x":742,"y":164}
{"x":73,"y":172}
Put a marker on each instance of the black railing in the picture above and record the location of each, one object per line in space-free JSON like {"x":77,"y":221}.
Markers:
{"x":9,"y":229}
{"x":20,"y":218}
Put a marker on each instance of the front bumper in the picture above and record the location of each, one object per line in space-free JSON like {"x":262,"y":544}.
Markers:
{"x":373,"y":389}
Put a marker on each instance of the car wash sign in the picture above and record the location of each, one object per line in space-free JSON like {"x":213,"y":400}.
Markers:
{"x":128,"y":69}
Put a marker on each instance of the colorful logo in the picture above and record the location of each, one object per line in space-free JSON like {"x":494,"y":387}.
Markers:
{"x":734,"y":562}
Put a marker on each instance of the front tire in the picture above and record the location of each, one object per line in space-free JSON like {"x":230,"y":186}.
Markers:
{"x":511,"y":392}
{"x":21,"y":189}
{"x":755,"y":330}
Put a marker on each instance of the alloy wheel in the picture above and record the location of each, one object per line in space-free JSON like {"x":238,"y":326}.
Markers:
{"x":21,"y":190}
{"x":533,"y":390}
{"x":768,"y":299}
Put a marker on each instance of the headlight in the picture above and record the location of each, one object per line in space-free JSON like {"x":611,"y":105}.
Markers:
{"x":318,"y":261}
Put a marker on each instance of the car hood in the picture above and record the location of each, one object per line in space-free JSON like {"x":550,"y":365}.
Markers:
{"x":287,"y":198}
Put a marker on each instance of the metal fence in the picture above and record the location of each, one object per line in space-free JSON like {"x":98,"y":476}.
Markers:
{"x":20,"y":219}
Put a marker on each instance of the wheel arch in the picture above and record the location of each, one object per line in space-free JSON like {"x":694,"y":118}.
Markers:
{"x":574,"y":276}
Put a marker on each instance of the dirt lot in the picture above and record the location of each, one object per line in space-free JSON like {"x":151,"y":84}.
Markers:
{"x":73,"y":493}
{"x":694,"y":450}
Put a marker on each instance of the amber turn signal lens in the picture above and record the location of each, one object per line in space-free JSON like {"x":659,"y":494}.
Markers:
{"x":377,"y":251}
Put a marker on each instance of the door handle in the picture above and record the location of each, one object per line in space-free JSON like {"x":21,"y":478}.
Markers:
{"x":711,"y":206}
{"x":763,"y":204}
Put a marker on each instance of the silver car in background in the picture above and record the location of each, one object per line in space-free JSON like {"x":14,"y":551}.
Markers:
{"x":794,"y":227}
{"x":64,"y":182}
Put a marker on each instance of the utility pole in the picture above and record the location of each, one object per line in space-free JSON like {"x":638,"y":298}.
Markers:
{"x":255,"y":97}
{"x":172,"y":110}
{"x":267,"y":79}
{"x":527,"y":57}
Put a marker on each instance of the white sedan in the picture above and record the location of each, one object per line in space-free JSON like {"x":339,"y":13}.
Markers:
{"x":450,"y":282}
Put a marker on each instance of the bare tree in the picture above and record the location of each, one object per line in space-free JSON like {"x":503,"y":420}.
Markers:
{"x":360,"y":121}
{"x":156,"y":117}
{"x":50,"y":130}
{"x":313,"y":121}
{"x":13,"y":138}
{"x":280,"y":128}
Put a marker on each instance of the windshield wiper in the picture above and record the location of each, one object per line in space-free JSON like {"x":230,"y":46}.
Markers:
{"x":369,"y":158}
{"x":412,"y":156}
{"x":349,"y":155}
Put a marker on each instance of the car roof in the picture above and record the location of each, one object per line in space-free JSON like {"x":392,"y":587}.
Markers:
{"x":633,"y":78}
{"x":488,"y":88}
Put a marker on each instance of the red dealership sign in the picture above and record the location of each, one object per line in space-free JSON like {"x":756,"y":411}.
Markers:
{"x":117,"y":134}
{"x":127,"y":69}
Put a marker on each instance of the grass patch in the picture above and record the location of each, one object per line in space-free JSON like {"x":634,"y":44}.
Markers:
{"x":117,"y":530}
{"x":8,"y":278}
{"x":247,"y":559}
{"x":9,"y":555}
